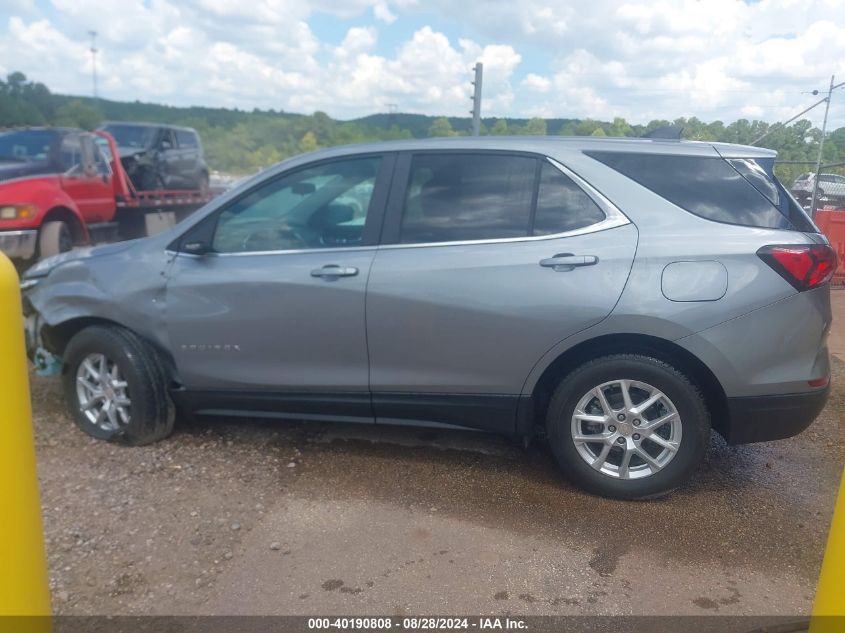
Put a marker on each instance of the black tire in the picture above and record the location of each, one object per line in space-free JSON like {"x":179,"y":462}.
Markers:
{"x":687,"y":399}
{"x":152,"y":412}
{"x":53,"y":238}
{"x":151,"y":180}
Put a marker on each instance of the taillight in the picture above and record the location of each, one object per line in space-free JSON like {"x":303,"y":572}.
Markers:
{"x":805,"y":266}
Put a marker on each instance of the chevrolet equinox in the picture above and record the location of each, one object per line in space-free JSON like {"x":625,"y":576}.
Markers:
{"x":618,"y":297}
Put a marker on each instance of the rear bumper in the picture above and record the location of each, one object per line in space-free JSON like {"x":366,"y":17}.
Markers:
{"x":19,"y":244}
{"x":764,"y":418}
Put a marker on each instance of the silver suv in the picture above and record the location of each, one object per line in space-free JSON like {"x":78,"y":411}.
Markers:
{"x":830,"y":186}
{"x":618,"y":297}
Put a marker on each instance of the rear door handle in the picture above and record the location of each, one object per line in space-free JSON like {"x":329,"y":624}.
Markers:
{"x":333,"y":270}
{"x":563,"y":262}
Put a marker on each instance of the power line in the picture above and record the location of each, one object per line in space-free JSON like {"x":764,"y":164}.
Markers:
{"x":769,"y":131}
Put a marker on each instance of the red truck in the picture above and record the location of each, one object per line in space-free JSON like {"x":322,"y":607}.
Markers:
{"x":61,"y":187}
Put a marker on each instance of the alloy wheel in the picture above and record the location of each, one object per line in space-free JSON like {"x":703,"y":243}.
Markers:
{"x":626,"y":429}
{"x":103,"y":392}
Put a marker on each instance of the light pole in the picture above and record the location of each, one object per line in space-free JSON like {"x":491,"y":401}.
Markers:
{"x":821,"y":144}
{"x":94,"y":51}
{"x":476,"y":99}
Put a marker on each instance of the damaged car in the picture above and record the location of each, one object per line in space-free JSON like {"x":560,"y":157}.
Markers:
{"x":618,"y":298}
{"x":159,"y":156}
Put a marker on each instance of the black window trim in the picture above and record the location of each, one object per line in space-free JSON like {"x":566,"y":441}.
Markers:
{"x":401,"y":175}
{"x":206,"y":227}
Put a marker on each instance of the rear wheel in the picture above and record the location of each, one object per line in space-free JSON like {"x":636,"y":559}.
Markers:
{"x":628,"y":426}
{"x":115,"y":386}
{"x":54,"y":238}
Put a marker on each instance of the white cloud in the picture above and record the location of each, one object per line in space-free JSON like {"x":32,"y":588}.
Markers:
{"x":382,"y":12}
{"x":640,"y":59}
{"x":536,"y":83}
{"x":647,"y":59}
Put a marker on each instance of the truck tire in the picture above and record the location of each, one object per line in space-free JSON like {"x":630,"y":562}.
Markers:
{"x":116,"y":386}
{"x":54,"y":238}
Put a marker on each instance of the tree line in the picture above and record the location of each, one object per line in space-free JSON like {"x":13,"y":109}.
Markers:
{"x":240,"y":141}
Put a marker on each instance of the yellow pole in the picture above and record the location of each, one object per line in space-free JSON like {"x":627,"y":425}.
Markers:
{"x":829,"y":605}
{"x":23,"y":566}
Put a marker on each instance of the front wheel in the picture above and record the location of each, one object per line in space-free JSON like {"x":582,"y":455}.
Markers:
{"x":628,"y":426}
{"x":115,"y":386}
{"x":54,"y":238}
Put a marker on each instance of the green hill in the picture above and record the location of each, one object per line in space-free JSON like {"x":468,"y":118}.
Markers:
{"x":241,"y":141}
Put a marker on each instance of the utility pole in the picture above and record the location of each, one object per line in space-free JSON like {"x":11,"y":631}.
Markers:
{"x":476,"y":99}
{"x":821,"y":144}
{"x":94,"y":52}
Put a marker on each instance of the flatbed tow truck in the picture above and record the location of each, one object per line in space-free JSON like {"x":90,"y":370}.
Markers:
{"x":64,"y":187}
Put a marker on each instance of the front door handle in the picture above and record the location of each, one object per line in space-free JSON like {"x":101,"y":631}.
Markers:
{"x":333,"y":271}
{"x":563,"y":262}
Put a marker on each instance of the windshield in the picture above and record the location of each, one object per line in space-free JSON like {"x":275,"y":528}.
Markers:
{"x":26,"y":146}
{"x":139,"y":136}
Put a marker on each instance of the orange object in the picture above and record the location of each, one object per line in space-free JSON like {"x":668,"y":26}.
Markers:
{"x":831,"y":221}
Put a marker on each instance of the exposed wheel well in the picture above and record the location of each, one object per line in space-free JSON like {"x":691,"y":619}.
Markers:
{"x":77,"y":229}
{"x":55,"y":339}
{"x":664,"y":350}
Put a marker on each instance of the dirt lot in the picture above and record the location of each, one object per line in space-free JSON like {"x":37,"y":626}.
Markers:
{"x":240,"y":516}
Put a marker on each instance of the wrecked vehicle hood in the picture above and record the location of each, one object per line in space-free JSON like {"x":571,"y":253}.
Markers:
{"x":123,"y":283}
{"x":46,"y":266}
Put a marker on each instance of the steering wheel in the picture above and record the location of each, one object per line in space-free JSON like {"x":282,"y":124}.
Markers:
{"x":269,"y":240}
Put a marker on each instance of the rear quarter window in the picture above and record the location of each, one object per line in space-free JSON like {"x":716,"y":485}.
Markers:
{"x":187,"y":139}
{"x":708,"y":187}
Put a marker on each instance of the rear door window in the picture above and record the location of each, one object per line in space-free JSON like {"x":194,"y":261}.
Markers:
{"x":562,"y":205}
{"x":464,"y":197}
{"x":712,"y":188}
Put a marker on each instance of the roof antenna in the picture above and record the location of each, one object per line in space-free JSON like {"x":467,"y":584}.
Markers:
{"x":667,"y":132}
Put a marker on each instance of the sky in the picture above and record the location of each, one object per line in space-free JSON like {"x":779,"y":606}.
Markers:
{"x":637,"y":59}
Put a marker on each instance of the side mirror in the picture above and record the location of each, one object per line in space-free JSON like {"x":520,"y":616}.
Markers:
{"x":196,"y":247}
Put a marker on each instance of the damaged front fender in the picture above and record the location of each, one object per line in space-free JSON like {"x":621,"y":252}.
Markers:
{"x":122,"y":286}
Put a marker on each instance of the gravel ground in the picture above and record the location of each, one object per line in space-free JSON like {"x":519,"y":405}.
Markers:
{"x":244,"y":516}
